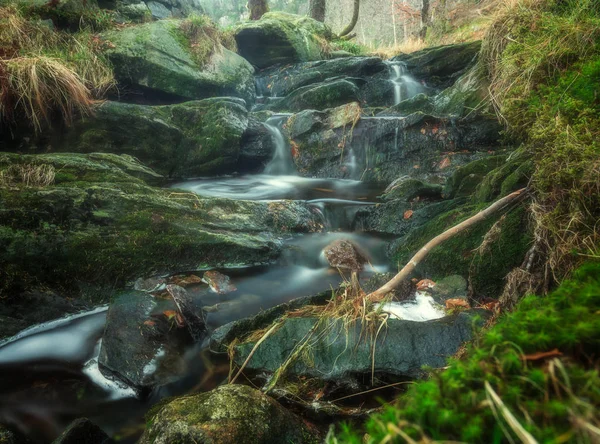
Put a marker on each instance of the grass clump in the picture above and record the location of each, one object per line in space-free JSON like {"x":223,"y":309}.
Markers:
{"x":44,"y":72}
{"x":539,"y":363}
{"x":543,"y":59}
{"x":349,"y":46}
{"x":203,"y":37}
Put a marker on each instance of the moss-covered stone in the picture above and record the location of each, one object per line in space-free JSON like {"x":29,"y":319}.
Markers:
{"x":279,"y":38}
{"x":515,"y":173}
{"x":320,"y":96}
{"x":185,"y":140}
{"x":487,"y":266}
{"x":231,"y":413}
{"x":466,"y":178}
{"x":158,"y":56}
{"x":99,"y":226}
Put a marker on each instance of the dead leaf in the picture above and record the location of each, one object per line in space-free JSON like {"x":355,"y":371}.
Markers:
{"x":445,"y":163}
{"x":186,"y":281}
{"x":425,"y":284}
{"x":457,"y":303}
{"x":149,"y":323}
{"x":423,"y":130}
{"x":542,"y":355}
{"x":408,"y":214}
{"x":170,"y":314}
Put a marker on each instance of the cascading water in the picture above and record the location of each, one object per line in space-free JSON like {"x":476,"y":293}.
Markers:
{"x":282,"y":162}
{"x":405,"y":86}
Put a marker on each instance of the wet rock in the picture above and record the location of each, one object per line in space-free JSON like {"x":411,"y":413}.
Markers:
{"x":345,"y":255}
{"x":218,"y":282}
{"x":150,"y":285}
{"x":82,"y":431}
{"x":282,"y":81}
{"x":451,"y":287}
{"x":186,"y":280}
{"x":193,"y":319}
{"x":384,"y":148}
{"x":257,"y":147}
{"x":139,"y":346}
{"x":440,"y":66}
{"x":408,"y":189}
{"x":319,"y":96}
{"x":155,"y":56}
{"x":231,"y":413}
{"x":98,"y":227}
{"x":338,"y":350}
{"x":467,"y":178}
{"x":279,"y":38}
{"x":404,"y":292}
{"x":185,"y":140}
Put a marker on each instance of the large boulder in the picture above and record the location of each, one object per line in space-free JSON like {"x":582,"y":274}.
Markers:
{"x":190,"y":139}
{"x":161,"y":56}
{"x":319,"y":96}
{"x":440,"y":66}
{"x":87,"y":222}
{"x":386,"y":147}
{"x":279,"y":38}
{"x":80,"y":431}
{"x":337,"y":349}
{"x":230,"y":413}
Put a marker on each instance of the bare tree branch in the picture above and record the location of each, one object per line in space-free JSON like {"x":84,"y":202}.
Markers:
{"x":348,"y":29}
{"x":497,"y":206}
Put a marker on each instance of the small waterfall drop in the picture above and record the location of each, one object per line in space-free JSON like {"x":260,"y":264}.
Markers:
{"x":405,"y":86}
{"x":282,"y":163}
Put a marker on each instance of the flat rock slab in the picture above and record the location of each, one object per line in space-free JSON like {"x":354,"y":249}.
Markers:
{"x":336,"y":350}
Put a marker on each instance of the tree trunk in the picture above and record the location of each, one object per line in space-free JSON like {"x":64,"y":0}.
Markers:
{"x":317,"y":9}
{"x":499,"y":205}
{"x":424,"y":19}
{"x":257,"y":8}
{"x":354,"y":20}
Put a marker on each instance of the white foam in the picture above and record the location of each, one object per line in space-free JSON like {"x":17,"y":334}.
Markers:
{"x":116,"y":389}
{"x":423,"y":308}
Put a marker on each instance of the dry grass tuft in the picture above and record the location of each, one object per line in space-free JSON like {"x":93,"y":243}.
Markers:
{"x":43,"y":71}
{"x":413,"y":44}
{"x":28,"y":174}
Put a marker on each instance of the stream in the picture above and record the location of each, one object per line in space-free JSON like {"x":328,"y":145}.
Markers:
{"x":49,"y":373}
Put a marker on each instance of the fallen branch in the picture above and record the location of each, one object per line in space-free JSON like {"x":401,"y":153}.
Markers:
{"x":497,"y":206}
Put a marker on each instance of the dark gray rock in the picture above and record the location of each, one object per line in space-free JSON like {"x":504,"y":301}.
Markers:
{"x":228,"y":414}
{"x":257,"y":147}
{"x":440,"y":66}
{"x":319,"y":96}
{"x":82,"y":431}
{"x":140,"y":345}
{"x":336,"y":350}
{"x":451,"y":287}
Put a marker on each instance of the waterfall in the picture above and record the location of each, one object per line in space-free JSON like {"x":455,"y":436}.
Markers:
{"x":405,"y":86}
{"x":282,"y":163}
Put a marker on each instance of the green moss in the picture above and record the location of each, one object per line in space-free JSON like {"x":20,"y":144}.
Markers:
{"x":453,"y":405}
{"x":466,"y":178}
{"x":459,"y":255}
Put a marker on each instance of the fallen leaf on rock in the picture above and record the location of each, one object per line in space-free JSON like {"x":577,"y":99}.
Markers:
{"x":542,"y":355}
{"x":186,"y":281}
{"x":425,"y":284}
{"x":408,"y":214}
{"x":170,"y":314}
{"x":445,"y":163}
{"x":149,"y":323}
{"x":457,"y":303}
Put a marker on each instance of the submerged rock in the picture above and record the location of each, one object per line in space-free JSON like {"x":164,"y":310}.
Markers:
{"x":345,"y":255}
{"x":82,"y":431}
{"x":159,"y":56}
{"x":335,"y":349}
{"x":279,"y":38}
{"x":231,"y":413}
{"x":218,"y":282}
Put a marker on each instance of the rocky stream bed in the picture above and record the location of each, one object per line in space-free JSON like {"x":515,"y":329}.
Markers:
{"x":212,"y":205}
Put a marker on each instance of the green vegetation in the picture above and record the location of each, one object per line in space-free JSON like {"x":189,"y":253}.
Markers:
{"x":47,"y":71}
{"x":543,"y":59}
{"x":349,"y":46}
{"x":539,"y":360}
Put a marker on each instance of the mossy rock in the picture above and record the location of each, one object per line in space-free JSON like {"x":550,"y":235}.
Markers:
{"x":319,"y":96}
{"x":461,"y":255}
{"x":279,"y":38}
{"x":465,"y":179}
{"x":159,"y":56}
{"x":515,"y":173}
{"x":97,"y":226}
{"x":190,"y":139}
{"x":230,"y":413}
